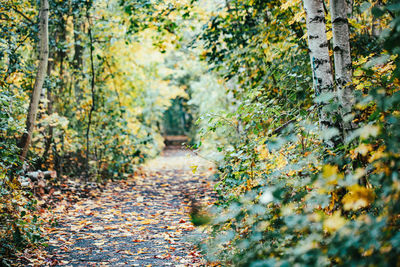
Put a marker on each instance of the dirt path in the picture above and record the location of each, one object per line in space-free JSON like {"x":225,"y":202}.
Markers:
{"x":142,"y":221}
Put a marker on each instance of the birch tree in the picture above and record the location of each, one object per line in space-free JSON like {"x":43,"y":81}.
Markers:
{"x":40,"y":76}
{"x":319,"y":53}
{"x":342,"y":56}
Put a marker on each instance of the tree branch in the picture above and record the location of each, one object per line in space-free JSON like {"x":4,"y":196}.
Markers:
{"x":23,"y":15}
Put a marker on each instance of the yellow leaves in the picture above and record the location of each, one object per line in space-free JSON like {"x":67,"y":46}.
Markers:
{"x":281,"y":162}
{"x":329,"y":35}
{"x":358,"y":72}
{"x":80,"y":225}
{"x":354,"y":23}
{"x":368,"y":150}
{"x":334,"y":222}
{"x":331,"y":173}
{"x":276,"y":162}
{"x":147,"y":221}
{"x":298,"y":17}
{"x":377,"y":154}
{"x":273,"y":50}
{"x":358,"y":197}
{"x":249,"y":185}
{"x":290,"y":3}
{"x":363,"y":149}
{"x":360,"y":86}
{"x":194,"y":168}
{"x":263,"y":152}
{"x":14,"y":184}
{"x":333,"y":201}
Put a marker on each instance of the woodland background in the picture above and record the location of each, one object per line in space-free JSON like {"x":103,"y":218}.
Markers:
{"x":299,"y":110}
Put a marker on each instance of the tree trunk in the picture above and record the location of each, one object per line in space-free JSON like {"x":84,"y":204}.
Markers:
{"x":78,"y":54}
{"x":319,"y":53}
{"x":78,"y":48}
{"x":342,"y":57}
{"x":61,"y":54}
{"x":40,"y":76}
{"x":92,"y":87}
{"x":49,"y":138}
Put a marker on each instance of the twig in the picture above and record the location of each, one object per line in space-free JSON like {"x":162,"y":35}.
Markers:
{"x":283,"y":126}
{"x":22,"y":14}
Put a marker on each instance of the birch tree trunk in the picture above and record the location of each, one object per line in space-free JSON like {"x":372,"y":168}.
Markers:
{"x":319,"y":52}
{"x":342,"y":57}
{"x":40,"y":76}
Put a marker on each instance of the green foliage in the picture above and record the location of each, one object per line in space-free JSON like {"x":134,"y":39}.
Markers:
{"x":283,"y":198}
{"x":19,"y":224}
{"x":121,"y":133}
{"x":126,"y":106}
{"x":177,"y":120}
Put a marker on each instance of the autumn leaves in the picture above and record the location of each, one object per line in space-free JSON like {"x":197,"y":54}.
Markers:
{"x":142,"y":220}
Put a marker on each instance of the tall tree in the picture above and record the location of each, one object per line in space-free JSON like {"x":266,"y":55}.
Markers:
{"x":78,"y":51}
{"x":92,"y":90}
{"x":342,"y":56}
{"x":319,"y":53}
{"x":40,"y":76}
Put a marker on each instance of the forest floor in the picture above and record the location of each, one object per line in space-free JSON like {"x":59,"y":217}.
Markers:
{"x":141,"y":221}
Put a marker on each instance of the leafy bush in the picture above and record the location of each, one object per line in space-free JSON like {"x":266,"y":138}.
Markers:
{"x":284,"y":197}
{"x":19,"y":224}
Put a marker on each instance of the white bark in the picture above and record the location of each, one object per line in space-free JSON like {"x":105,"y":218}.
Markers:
{"x":40,"y":76}
{"x":342,"y":56}
{"x":319,"y":52}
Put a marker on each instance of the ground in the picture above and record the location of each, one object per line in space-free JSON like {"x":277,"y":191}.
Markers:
{"x":141,"y":221}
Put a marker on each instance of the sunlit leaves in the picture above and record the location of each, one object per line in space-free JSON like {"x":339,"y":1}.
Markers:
{"x":358,"y":197}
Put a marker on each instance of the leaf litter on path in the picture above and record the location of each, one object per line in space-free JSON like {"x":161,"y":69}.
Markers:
{"x":141,"y":221}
